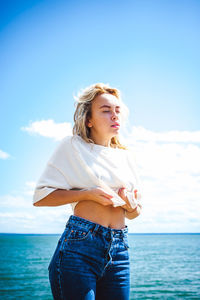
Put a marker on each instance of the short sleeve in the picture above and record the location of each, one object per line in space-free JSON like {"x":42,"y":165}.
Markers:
{"x":53,"y":176}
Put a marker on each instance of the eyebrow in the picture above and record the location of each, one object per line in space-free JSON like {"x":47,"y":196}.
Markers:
{"x":108,"y":106}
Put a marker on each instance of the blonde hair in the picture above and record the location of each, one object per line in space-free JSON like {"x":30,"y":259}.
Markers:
{"x":83,"y":103}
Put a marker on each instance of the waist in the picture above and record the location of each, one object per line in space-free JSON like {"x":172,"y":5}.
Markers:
{"x":89,"y":225}
{"x":107,"y":216}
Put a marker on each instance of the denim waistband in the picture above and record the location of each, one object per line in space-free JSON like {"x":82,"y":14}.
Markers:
{"x":95,"y":227}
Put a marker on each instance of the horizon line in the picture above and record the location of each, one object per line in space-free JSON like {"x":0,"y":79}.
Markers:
{"x":136,"y":233}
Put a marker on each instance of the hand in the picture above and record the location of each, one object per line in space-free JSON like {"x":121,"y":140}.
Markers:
{"x":127,"y":206}
{"x":99,"y":195}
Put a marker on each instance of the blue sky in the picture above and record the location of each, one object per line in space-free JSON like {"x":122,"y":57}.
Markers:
{"x":150,"y":50}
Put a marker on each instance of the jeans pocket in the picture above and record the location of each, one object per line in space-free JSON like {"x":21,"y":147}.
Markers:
{"x":77,"y":233}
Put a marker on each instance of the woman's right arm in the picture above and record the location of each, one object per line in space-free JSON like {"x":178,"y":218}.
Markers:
{"x":62,"y":197}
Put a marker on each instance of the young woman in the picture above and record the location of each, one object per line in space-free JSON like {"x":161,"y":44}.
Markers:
{"x":96,"y":174}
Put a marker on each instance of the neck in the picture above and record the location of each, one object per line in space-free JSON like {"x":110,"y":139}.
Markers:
{"x":100,"y":140}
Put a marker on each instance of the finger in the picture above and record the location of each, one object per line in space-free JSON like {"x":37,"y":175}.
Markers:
{"x":122,"y":191}
{"x":104,"y":200}
{"x":107,"y":196}
{"x":107,"y":201}
{"x":103,"y":193}
{"x":125,"y":206}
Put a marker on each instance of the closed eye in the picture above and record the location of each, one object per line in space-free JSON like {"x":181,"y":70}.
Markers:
{"x":118,"y":112}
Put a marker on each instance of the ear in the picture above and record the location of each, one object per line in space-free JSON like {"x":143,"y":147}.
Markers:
{"x":88,"y":124}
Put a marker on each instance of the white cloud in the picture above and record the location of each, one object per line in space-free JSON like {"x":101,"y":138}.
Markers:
{"x":50,"y":129}
{"x":170,"y":173}
{"x":18,"y":215}
{"x":3,"y":155}
{"x":142,"y":134}
{"x":9,"y":201}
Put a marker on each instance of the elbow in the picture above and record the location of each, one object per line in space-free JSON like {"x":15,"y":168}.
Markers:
{"x":41,"y":202}
{"x":38,"y":203}
{"x":35,"y":200}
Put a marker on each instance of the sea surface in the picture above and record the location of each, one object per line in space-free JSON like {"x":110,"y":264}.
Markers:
{"x":163,"y":266}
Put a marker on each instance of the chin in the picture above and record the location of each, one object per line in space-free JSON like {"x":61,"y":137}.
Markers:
{"x":115,"y":135}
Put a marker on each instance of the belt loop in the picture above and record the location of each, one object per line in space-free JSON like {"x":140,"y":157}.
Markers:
{"x":95,"y":229}
{"x":112,"y":234}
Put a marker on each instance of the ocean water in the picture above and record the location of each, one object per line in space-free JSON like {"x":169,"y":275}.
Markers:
{"x":163,"y":266}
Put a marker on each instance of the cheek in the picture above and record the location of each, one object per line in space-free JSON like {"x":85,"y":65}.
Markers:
{"x":102,"y":118}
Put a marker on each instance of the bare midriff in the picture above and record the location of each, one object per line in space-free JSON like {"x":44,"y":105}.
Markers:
{"x":108,"y":216}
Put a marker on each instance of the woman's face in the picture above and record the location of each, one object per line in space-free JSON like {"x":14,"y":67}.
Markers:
{"x":105,"y":118}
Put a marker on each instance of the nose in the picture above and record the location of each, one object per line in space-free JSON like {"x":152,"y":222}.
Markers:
{"x":114,"y":115}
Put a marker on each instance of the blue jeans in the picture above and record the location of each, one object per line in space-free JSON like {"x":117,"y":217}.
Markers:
{"x":90,"y":262}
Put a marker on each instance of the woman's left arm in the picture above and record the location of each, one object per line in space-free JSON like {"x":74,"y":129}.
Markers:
{"x":130,"y":213}
{"x":134,"y":213}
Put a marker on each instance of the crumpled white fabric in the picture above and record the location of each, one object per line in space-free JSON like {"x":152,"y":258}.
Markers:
{"x":132,"y":200}
{"x":78,"y":164}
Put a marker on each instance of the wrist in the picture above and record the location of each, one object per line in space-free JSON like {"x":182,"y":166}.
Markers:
{"x":85,"y":194}
{"x":132,"y":210}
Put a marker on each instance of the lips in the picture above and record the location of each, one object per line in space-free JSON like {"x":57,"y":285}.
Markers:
{"x":115,"y":125}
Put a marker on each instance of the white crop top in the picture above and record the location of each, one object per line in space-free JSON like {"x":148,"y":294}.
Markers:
{"x":76,"y":164}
